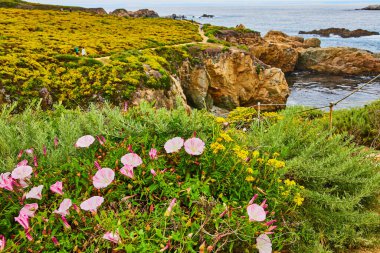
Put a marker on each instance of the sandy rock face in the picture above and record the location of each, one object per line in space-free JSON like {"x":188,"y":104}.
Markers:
{"x":339,"y":60}
{"x":143,"y":13}
{"x":281,"y":50}
{"x":232,"y":79}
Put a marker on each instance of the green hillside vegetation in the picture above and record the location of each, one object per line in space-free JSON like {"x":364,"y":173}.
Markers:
{"x":38,"y":53}
{"x":320,"y":189}
{"x":36,"y":6}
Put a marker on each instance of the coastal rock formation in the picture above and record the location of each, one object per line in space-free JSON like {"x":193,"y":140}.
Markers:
{"x":312,"y":42}
{"x":239,"y":37}
{"x":231,"y":79}
{"x":372,"y":8}
{"x":99,"y":11}
{"x":342,"y":32}
{"x":143,"y":13}
{"x":340,"y":60}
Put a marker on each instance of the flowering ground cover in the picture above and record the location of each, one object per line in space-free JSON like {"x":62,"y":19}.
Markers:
{"x":147,"y":180}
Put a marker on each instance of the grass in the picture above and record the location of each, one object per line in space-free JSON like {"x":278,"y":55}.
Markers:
{"x":340,"y":182}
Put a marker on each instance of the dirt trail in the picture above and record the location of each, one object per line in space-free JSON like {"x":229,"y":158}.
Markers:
{"x":106,"y":59}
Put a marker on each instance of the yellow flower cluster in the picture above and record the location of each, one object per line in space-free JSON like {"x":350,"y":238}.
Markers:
{"x":249,"y":170}
{"x":249,"y":179}
{"x":220,"y":120}
{"x":242,"y":114}
{"x":226,"y":137}
{"x":216,"y":147}
{"x":298,"y":199}
{"x":273,"y":116}
{"x":290,"y":182}
{"x":255,"y":154}
{"x":241,"y":153}
{"x":276,"y":163}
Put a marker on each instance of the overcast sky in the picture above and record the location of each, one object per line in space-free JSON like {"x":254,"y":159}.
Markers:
{"x":153,"y":3}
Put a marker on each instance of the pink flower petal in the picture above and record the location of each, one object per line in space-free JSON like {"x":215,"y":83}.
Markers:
{"x":153,"y":154}
{"x":57,"y":188}
{"x":194,"y":146}
{"x":85,"y":141}
{"x":92,"y":203}
{"x":264,"y":244}
{"x":64,"y":207}
{"x":127,"y":171}
{"x":23,"y":220}
{"x":173,"y":145}
{"x":22,"y":172}
{"x":170,"y":208}
{"x":103,"y":178}
{"x":256,"y":213}
{"x":113,"y":237}
{"x":132,"y":159}
{"x":2,"y":242}
{"x":35,"y":193}
{"x":29,"y":209}
{"x":6,"y":181}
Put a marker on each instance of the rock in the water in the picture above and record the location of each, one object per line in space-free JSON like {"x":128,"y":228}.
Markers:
{"x":372,"y":8}
{"x":342,"y":32}
{"x":143,"y":13}
{"x":231,"y":79}
{"x":207,"y":16}
{"x":339,"y":60}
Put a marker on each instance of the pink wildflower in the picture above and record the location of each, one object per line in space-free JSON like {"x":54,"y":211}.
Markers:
{"x":35,"y":161}
{"x":92,"y":203}
{"x":85,"y":141}
{"x":55,"y":241}
{"x":97,"y":165}
{"x":256,"y":213}
{"x":29,"y":209}
{"x":130,"y":150}
{"x":20,"y":154}
{"x":194,"y":146}
{"x":113,"y":237}
{"x":65,"y":223}
{"x":253,"y":199}
{"x":29,"y":151}
{"x":2,"y":242}
{"x":24,"y":182}
{"x":64,"y":207}
{"x":168,"y":244}
{"x":35,"y":193}
{"x":57,"y":188}
{"x":23,"y":219}
{"x":153,"y":154}
{"x":6,"y":181}
{"x":28,"y":235}
{"x":103,"y":178}
{"x":270,"y":230}
{"x":153,"y":172}
{"x":269,"y":223}
{"x":264,"y":244}
{"x":56,"y":142}
{"x":22,"y":163}
{"x":127,"y":171}
{"x":131,"y":159}
{"x":101,"y":140}
{"x":170,"y":208}
{"x":173,"y":145}
{"x":22,"y":172}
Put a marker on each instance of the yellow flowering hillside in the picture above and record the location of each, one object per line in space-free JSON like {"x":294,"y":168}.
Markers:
{"x":55,"y":32}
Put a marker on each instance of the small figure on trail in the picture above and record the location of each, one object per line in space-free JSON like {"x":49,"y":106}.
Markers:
{"x":84,"y":52}
{"x":76,"y":51}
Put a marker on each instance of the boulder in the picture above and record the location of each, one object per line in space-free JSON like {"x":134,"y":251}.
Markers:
{"x":339,"y":60}
{"x":231,"y":79}
{"x":342,"y":32}
{"x":99,"y":11}
{"x":143,"y":13}
{"x":312,"y":42}
{"x":239,"y":37}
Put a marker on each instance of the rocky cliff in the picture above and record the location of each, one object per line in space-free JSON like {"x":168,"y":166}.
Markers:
{"x":228,"y":79}
{"x":143,"y":13}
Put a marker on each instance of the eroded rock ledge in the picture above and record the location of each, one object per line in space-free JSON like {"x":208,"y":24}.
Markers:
{"x":342,"y":32}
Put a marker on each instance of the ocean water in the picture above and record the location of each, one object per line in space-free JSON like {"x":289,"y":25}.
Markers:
{"x":291,"y":19}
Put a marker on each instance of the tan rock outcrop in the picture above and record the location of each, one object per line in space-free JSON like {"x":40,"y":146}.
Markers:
{"x":232,"y":79}
{"x":339,"y":60}
{"x":143,"y":13}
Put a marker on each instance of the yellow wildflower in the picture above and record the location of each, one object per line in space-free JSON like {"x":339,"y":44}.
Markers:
{"x":279,"y":180}
{"x":241,"y":153}
{"x":285,"y":193}
{"x":298,"y":199}
{"x":279,"y":164}
{"x":255,"y":154}
{"x":275,"y":154}
{"x":260,"y":160}
{"x":250,"y":171}
{"x":272,"y":162}
{"x":290,"y":182}
{"x":249,"y":179}
{"x":226,"y":137}
{"x":220,"y":120}
{"x":216,"y":147}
